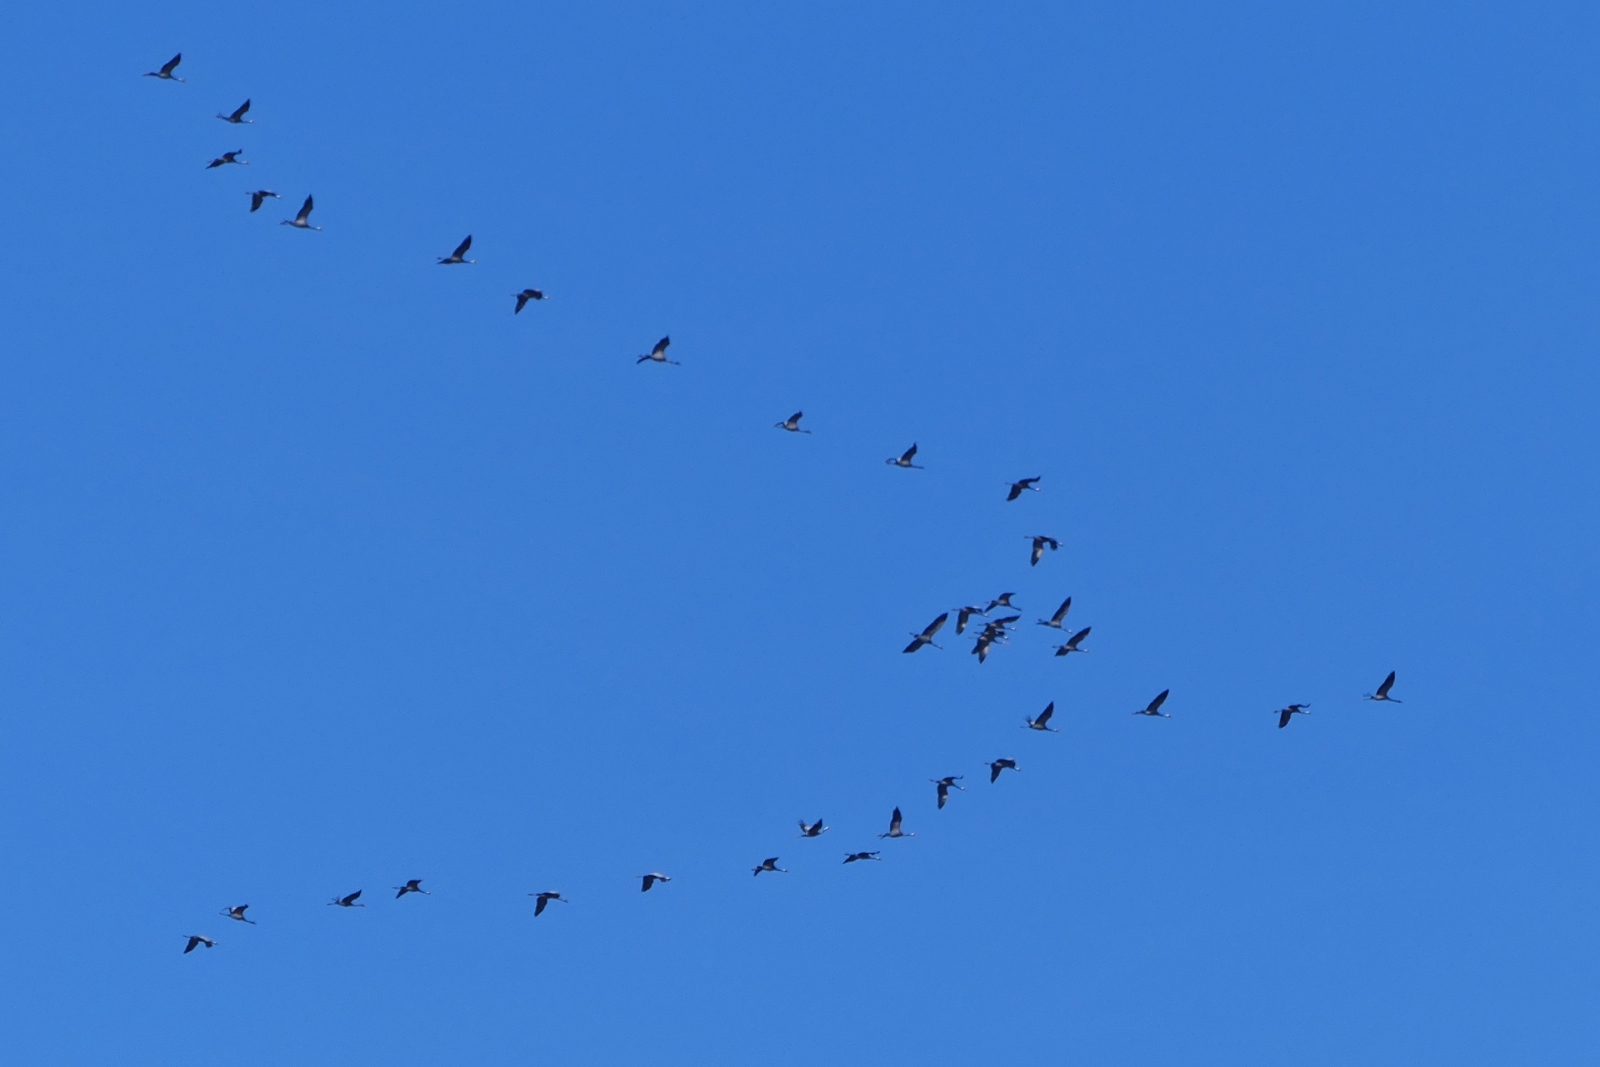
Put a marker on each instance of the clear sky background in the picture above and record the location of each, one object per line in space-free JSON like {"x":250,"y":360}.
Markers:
{"x":319,"y":570}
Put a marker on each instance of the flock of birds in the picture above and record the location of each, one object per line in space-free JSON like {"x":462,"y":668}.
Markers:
{"x":995,"y":630}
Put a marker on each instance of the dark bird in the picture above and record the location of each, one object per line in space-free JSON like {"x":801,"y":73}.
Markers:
{"x":525,"y":296}
{"x":994,"y":632}
{"x":792,"y":423}
{"x":996,"y":766}
{"x":1020,"y":487}
{"x":963,"y":614}
{"x":1287,"y":713}
{"x":947,"y":783}
{"x":649,"y":880}
{"x":1383,"y":691}
{"x":166,"y":74}
{"x":302,"y":221}
{"x":1154,"y":707}
{"x":816,"y":829}
{"x":238,"y":115}
{"x":237,"y":914}
{"x":459,"y":255}
{"x":1001,"y":601}
{"x":857,"y":857}
{"x":658,"y":354}
{"x":769,"y":864}
{"x":894,"y":827}
{"x":1040,"y":543}
{"x":195,"y":941}
{"x":1072,"y":643}
{"x":346,"y":902}
{"x":226,"y":158}
{"x":1042,"y":720}
{"x":260,"y":197}
{"x":926,"y":636}
{"x":905,"y":459}
{"x":413,"y":886}
{"x":543,"y":899}
{"x":1061,"y":613}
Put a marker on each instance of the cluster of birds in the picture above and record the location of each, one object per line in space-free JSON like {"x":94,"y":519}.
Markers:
{"x":994,"y":631}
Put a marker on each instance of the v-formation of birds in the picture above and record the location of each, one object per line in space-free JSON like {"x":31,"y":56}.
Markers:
{"x":995,"y":630}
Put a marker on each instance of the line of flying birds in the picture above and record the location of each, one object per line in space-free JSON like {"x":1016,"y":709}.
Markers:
{"x":995,"y":631}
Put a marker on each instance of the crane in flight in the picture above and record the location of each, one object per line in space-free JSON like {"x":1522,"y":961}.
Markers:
{"x":1383,"y":691}
{"x":237,"y":117}
{"x":413,"y":886}
{"x":994,"y":632}
{"x":1284,"y":714}
{"x":905,"y":459}
{"x":770,"y":864}
{"x":228,"y":157}
{"x":1042,"y":720}
{"x":816,"y":829}
{"x":1022,"y":486}
{"x":963,"y":614}
{"x":1040,"y":543}
{"x":894,"y":827}
{"x":926,"y":636}
{"x":648,"y":880}
{"x":1002,"y":764}
{"x":1061,"y":613}
{"x":1001,"y":601}
{"x":542,"y":900}
{"x":302,"y":221}
{"x":1154,"y":707}
{"x":195,"y":941}
{"x":945,"y":784}
{"x":459,"y":255}
{"x":259,"y":197}
{"x":346,"y":901}
{"x":658,"y":354}
{"x":1073,"y":642}
{"x":237,"y":914}
{"x":792,"y":423}
{"x":525,"y":296}
{"x":857,"y":857}
{"x":165,"y":73}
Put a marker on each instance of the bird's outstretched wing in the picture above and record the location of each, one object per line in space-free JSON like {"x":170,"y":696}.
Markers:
{"x":933,"y":627}
{"x":1044,"y":716}
{"x":239,"y":112}
{"x":171,"y":65}
{"x":1161,"y":698}
{"x":461,"y":249}
{"x":305,"y":211}
{"x":1388,"y":683}
{"x":909,"y":454}
{"x":661,"y":348}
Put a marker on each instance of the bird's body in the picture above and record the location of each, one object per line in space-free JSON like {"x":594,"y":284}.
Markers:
{"x":195,"y":941}
{"x":816,"y":829}
{"x":658,"y":354}
{"x":894,"y":827}
{"x":857,"y":857}
{"x":926,"y":636}
{"x":792,"y":423}
{"x":226,"y":158}
{"x":648,"y":880}
{"x":459,"y":256}
{"x":1288,"y":712}
{"x":1153,"y":708}
{"x":347,"y":901}
{"x":259,"y":197}
{"x":165,"y":74}
{"x":302,"y":221}
{"x":1040,"y":543}
{"x":1042,"y":720}
{"x":525,"y":296}
{"x":412,"y":886}
{"x":237,"y":117}
{"x":945,"y":784}
{"x":769,"y":866}
{"x":963,"y":614}
{"x":1022,"y":486}
{"x":541,"y":900}
{"x":1073,"y":642}
{"x":1002,"y":764}
{"x":1383,"y":691}
{"x":905,"y":458}
{"x":1054,"y":621}
{"x":236,"y":913}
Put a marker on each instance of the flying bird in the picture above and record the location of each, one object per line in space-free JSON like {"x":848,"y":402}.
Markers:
{"x":1287,"y":713}
{"x":1002,"y":764}
{"x":195,"y":941}
{"x":525,"y":296}
{"x":993,"y":632}
{"x":1154,"y":707}
{"x":1042,"y":720}
{"x":1040,"y":543}
{"x":1020,"y":487}
{"x":857,"y":857}
{"x":346,"y":902}
{"x":238,"y":115}
{"x":165,"y":73}
{"x":227,"y":158}
{"x":905,"y":459}
{"x":543,"y":899}
{"x":302,"y":221}
{"x":459,"y":255}
{"x":770,"y":864}
{"x":894,"y":827}
{"x":237,"y":914}
{"x":1001,"y":601}
{"x":816,"y":829}
{"x":658,"y":354}
{"x":649,"y":880}
{"x":926,"y":636}
{"x":1061,"y":613}
{"x":1383,"y":691}
{"x":413,"y":886}
{"x":792,"y":423}
{"x":947,"y":783}
{"x":1072,"y":643}
{"x":259,"y":197}
{"x":963,"y":614}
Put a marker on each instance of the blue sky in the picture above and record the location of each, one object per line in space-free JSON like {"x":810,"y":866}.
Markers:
{"x":323,"y":571}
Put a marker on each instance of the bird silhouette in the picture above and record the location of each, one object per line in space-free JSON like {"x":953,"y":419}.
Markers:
{"x":236,"y":913}
{"x":227,"y":158}
{"x":648,"y":880}
{"x":165,"y":73}
{"x":1383,"y":691}
{"x":195,"y":941}
{"x":857,"y":857}
{"x":459,"y":255}
{"x":905,"y":459}
{"x":1073,"y":642}
{"x":658,"y":354}
{"x":769,"y":865}
{"x":1022,"y":486}
{"x":1154,"y":707}
{"x":1061,"y":613}
{"x":963,"y":614}
{"x":816,"y":829}
{"x":259,"y":197}
{"x":1001,"y":601}
{"x":1040,"y":543}
{"x":413,"y":886}
{"x":302,"y":221}
{"x":894,"y":827}
{"x":346,"y":902}
{"x":994,"y":632}
{"x":1284,"y":714}
{"x":238,"y":115}
{"x":525,"y":296}
{"x":1002,"y":764}
{"x":541,"y":900}
{"x":945,"y":784}
{"x":1042,"y":720}
{"x":792,"y":423}
{"x":926,"y":636}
